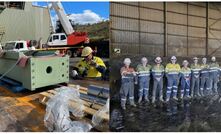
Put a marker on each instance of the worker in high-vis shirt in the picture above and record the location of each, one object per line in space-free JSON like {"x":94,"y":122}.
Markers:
{"x":214,"y":75}
{"x":172,"y":73}
{"x":185,"y":74}
{"x":157,"y":73}
{"x":204,"y":77}
{"x":128,"y":76}
{"x":143,"y":71}
{"x":195,"y":78}
{"x":90,"y":66}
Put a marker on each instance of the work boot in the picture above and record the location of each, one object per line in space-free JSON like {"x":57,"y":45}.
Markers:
{"x":161,"y":98}
{"x":133,"y":104}
{"x":181,"y":97}
{"x":215,"y":92}
{"x":153,"y":100}
{"x":198,"y":95}
{"x":211,"y":93}
{"x":123,"y":107}
{"x":146,"y":99}
{"x":175,"y":98}
{"x":202,"y":94}
{"x":167,"y":100}
{"x":188,"y":97}
{"x":139,"y":100}
{"x":191,"y":94}
{"x":123,"y":104}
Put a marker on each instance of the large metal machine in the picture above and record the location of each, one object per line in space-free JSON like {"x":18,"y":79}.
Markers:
{"x":70,"y":37}
{"x":35,"y":71}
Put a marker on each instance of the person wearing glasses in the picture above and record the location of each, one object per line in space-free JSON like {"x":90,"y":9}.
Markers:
{"x":90,"y":66}
{"x":172,"y":71}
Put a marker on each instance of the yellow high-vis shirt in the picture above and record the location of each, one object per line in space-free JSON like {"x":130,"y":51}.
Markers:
{"x":91,"y":70}
{"x":172,"y":68}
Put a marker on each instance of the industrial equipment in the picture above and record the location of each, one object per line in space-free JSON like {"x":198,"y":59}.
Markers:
{"x":70,"y":38}
{"x":36,"y":71}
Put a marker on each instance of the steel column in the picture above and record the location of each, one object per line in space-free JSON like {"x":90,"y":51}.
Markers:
{"x":187,"y":35}
{"x":139,"y":26}
{"x":207,"y":27}
{"x":165,"y":30}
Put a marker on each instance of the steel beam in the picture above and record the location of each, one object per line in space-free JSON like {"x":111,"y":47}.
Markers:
{"x":98,"y":91}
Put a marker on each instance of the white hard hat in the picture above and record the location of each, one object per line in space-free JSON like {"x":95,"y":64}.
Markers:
{"x":158,"y":60}
{"x":185,"y":62}
{"x":127,"y":61}
{"x":74,"y":73}
{"x":195,"y":58}
{"x":213,"y":58}
{"x":144,"y":59}
{"x":173,"y":58}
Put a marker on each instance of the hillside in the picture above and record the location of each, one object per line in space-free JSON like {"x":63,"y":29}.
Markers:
{"x":95,"y":31}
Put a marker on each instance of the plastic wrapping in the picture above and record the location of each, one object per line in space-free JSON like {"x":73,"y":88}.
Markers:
{"x":96,"y":119}
{"x":57,"y":117}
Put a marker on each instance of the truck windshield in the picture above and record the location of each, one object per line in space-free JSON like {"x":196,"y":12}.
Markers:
{"x":10,"y":46}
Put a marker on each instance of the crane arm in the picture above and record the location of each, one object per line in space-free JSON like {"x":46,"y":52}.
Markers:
{"x":57,"y":6}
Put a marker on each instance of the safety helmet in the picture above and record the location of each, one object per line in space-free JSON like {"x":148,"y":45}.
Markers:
{"x":158,"y":60}
{"x":195,"y":58}
{"x":185,"y":62}
{"x":213,"y":58}
{"x":127,"y":61}
{"x":144,"y":59}
{"x":86,"y":51}
{"x":173,"y":58}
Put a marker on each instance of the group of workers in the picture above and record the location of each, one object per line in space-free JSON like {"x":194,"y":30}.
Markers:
{"x":90,"y":66}
{"x":197,"y":80}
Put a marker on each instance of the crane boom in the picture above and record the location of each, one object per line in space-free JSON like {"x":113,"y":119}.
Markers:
{"x":57,"y":6}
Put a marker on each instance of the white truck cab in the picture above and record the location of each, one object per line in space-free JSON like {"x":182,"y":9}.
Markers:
{"x":20,"y":45}
{"x":57,"y":39}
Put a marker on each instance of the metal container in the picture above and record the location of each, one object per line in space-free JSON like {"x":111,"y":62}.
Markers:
{"x":39,"y":71}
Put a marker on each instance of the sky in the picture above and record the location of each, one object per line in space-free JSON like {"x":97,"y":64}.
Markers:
{"x":82,"y":12}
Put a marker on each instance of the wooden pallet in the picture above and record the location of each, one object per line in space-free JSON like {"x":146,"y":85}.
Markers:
{"x":11,"y":85}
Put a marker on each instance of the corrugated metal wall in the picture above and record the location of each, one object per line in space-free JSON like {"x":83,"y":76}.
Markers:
{"x":165,"y":29}
{"x":31,"y":23}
